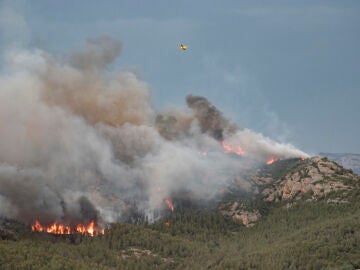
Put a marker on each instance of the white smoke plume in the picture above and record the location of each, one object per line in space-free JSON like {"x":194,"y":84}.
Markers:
{"x":79,"y":142}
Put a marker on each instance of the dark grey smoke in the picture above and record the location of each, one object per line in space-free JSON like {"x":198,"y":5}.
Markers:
{"x":211,"y":120}
{"x":28,"y":197}
{"x":87,"y":210}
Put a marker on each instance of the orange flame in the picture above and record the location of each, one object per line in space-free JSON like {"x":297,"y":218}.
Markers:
{"x":167,"y":223}
{"x":169,"y":204}
{"x":272,"y":160}
{"x":56,"y":228}
{"x":237,"y":149}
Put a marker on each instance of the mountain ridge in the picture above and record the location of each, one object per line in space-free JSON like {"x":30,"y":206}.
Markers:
{"x":347,"y":160}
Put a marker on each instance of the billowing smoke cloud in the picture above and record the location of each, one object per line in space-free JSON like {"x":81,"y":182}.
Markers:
{"x":210,"y":118}
{"x":79,"y":142}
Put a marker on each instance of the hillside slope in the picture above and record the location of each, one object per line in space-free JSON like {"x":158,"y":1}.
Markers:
{"x":313,"y":178}
{"x":308,"y":218}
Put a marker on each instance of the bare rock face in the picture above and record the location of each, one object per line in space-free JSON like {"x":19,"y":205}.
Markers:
{"x":314,"y":178}
{"x":293,"y":180}
{"x":241,"y":213}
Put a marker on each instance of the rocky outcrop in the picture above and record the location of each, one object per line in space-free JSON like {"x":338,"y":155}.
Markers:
{"x":310,"y":179}
{"x":290,"y":181}
{"x":239,"y":212}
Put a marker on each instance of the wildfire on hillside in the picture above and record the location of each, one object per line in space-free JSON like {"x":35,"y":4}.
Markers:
{"x":272,"y":160}
{"x":90,"y":229}
{"x":169,"y":204}
{"x":236,"y":149}
{"x":94,"y":148}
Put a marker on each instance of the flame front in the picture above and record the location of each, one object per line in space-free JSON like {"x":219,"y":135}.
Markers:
{"x":169,"y":204}
{"x":271,"y":160}
{"x":56,"y":228}
{"x":236,"y":149}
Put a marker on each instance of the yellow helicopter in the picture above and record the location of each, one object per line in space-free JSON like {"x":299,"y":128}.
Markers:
{"x":183,"y":47}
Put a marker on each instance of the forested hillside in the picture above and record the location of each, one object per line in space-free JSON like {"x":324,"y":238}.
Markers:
{"x":306,"y":234}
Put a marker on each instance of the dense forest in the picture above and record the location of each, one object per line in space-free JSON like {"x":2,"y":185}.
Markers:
{"x":305,"y":236}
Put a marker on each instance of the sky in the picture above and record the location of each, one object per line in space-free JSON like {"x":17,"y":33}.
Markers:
{"x":287,"y":69}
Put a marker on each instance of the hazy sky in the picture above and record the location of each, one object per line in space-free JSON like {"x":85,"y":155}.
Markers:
{"x":287,"y":69}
